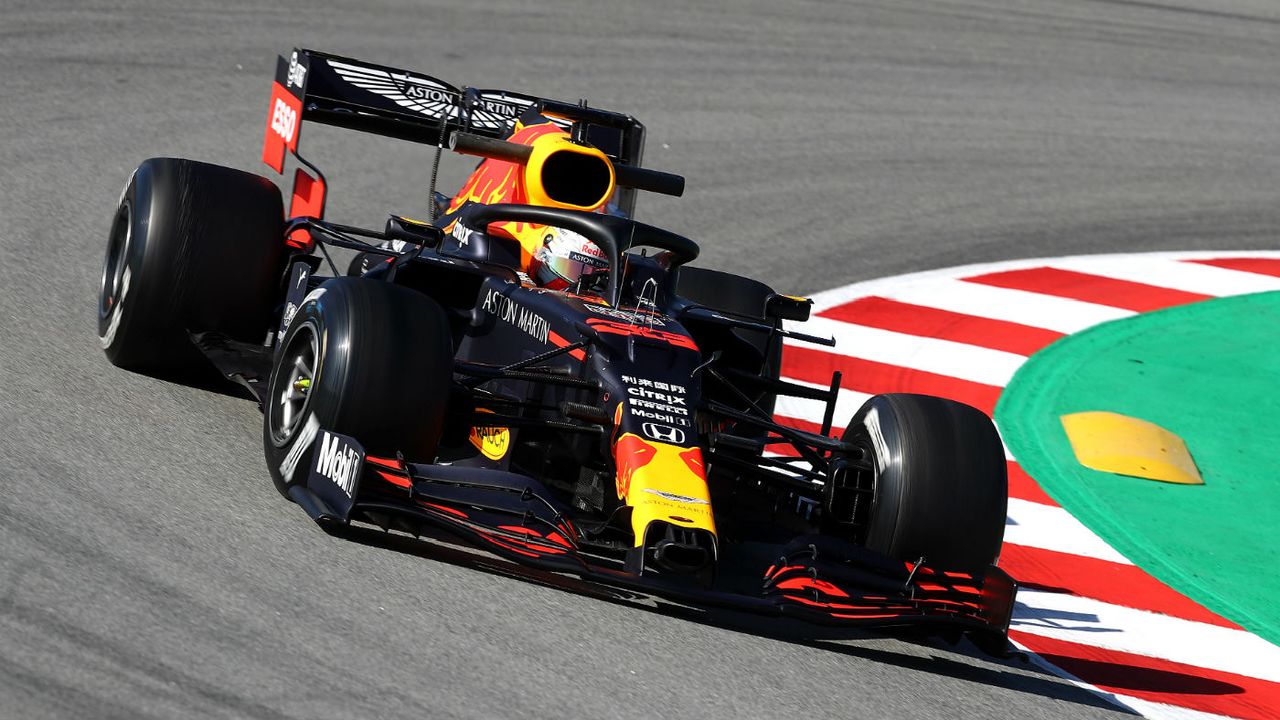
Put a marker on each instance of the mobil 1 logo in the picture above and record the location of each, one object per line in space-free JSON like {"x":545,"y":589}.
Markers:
{"x":663,"y":403}
{"x":335,"y":470}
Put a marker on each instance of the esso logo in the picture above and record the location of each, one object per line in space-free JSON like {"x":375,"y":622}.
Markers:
{"x":284,"y":120}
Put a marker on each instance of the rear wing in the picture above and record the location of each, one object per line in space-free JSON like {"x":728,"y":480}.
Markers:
{"x":359,"y":95}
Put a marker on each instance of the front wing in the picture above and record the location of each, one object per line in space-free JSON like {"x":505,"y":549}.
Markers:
{"x":815,"y":579}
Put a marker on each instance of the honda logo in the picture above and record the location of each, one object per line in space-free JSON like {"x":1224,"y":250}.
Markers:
{"x":663,"y":433}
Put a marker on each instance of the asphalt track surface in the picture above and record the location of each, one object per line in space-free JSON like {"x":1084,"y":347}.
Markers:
{"x":147,"y":567}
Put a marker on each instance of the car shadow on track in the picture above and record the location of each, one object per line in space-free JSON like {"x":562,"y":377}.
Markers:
{"x":204,"y":379}
{"x":1014,"y":672}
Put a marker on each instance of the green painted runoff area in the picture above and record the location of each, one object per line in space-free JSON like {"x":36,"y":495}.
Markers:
{"x":1208,"y":372}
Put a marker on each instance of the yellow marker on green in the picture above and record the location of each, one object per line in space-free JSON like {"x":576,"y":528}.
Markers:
{"x":1124,"y":445}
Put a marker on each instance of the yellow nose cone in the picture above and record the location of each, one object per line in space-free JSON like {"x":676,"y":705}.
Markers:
{"x":1124,"y":445}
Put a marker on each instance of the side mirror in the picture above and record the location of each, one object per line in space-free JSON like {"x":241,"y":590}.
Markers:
{"x":788,"y":307}
{"x":415,"y":232}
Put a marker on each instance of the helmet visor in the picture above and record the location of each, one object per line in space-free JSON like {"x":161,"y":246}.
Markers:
{"x":569,"y":256}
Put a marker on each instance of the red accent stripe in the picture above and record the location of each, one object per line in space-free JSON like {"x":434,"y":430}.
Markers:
{"x":924,"y":321}
{"x":1134,"y":296}
{"x":1022,"y":487}
{"x":443,"y":508}
{"x":1114,"y":583}
{"x":397,"y":480}
{"x":804,"y":583}
{"x":520,"y":530}
{"x":510,"y":547}
{"x":558,"y":539}
{"x":519,"y":545}
{"x":1258,"y":266}
{"x":308,"y":201}
{"x":559,"y":341}
{"x":868,"y":376}
{"x":1162,"y":681}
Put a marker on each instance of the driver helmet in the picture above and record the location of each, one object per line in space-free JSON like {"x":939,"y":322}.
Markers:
{"x":564,"y":258}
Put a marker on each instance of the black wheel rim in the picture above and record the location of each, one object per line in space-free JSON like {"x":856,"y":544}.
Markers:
{"x":117,"y":261}
{"x":294,"y":384}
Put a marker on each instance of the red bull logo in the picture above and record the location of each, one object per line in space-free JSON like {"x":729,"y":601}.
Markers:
{"x":631,"y":453}
{"x":661,"y":481}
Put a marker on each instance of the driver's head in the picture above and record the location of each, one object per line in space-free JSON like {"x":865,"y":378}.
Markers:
{"x":564,"y":258}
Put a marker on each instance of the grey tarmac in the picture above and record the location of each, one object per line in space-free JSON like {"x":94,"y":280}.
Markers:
{"x":148,"y":569}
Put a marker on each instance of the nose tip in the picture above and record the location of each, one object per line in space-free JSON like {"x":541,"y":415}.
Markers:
{"x":683,"y":551}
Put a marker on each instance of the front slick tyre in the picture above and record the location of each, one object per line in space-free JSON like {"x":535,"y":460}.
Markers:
{"x":193,"y":247}
{"x":941,"y":484}
{"x":363,"y":358}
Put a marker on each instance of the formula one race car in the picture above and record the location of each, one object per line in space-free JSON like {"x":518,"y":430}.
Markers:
{"x":540,"y":375}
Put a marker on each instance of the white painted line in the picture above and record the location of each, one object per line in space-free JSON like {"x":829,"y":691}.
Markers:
{"x":1092,"y":622}
{"x":940,"y":357}
{"x":1016,"y":306}
{"x":1161,"y":711}
{"x":1154,"y":710}
{"x":1048,"y":527}
{"x":847,"y":403}
{"x":1173,"y":274}
{"x":1007,"y":455}
{"x":880,"y":286}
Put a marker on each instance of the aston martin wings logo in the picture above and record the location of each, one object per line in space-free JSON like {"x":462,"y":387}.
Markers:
{"x":427,"y":97}
{"x":496,"y":110}
{"x":678,"y":498}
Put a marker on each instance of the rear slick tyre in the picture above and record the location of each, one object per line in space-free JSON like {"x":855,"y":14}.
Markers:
{"x":193,"y":247}
{"x":941,"y":484}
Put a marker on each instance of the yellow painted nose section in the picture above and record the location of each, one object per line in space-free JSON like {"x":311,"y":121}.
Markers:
{"x":662,"y":482}
{"x":1115,"y":443}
